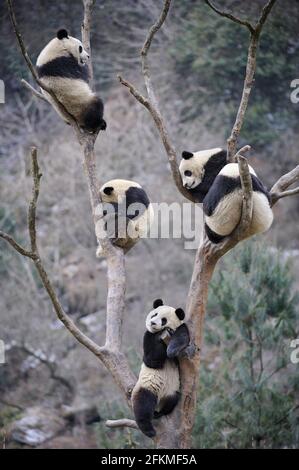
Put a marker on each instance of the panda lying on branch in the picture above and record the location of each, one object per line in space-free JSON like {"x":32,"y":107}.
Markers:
{"x":217,"y":184}
{"x":157,"y":390}
{"x":62,"y":67}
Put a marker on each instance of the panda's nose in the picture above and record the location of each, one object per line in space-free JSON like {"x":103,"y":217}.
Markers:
{"x":153,"y":323}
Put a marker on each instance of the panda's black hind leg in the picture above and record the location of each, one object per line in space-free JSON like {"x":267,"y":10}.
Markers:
{"x":169,"y":404}
{"x":144,"y":404}
{"x":92,"y":119}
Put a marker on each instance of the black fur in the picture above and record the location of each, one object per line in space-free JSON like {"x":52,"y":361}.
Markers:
{"x":224,"y":185}
{"x":157,"y":303}
{"x":178,"y":342}
{"x":108,"y":190}
{"x":139,"y":197}
{"x":168,"y":405}
{"x":92,"y":119}
{"x":134,"y":195}
{"x":214,"y":237}
{"x":144,"y":405}
{"x":64,"y":67}
{"x":186,"y":155}
{"x":62,"y":33}
{"x":154,"y":350}
{"x":180,"y":313}
{"x":215,"y":163}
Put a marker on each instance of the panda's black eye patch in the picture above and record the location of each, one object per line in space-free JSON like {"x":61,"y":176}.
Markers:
{"x":80,"y":49}
{"x":164,"y":321}
{"x":188,"y":173}
{"x":155,"y":314}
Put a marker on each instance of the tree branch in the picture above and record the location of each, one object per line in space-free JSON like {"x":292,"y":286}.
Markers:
{"x":278,"y":190}
{"x":151,"y":102}
{"x":85,"y":32}
{"x":121,"y":423}
{"x":231,"y":17}
{"x":25,"y":54}
{"x":110,"y":354}
{"x":16,"y":245}
{"x":255,"y":32}
{"x":34,"y":91}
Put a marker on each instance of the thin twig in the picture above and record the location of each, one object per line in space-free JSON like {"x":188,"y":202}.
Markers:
{"x":231,"y":17}
{"x":255,"y":32}
{"x":278,"y":190}
{"x":291,"y":192}
{"x":34,"y":91}
{"x":16,"y":245}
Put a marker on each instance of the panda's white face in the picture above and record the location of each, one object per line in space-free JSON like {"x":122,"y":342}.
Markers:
{"x":164,"y":317}
{"x":192,"y":166}
{"x":67,"y":45}
{"x":75,"y":47}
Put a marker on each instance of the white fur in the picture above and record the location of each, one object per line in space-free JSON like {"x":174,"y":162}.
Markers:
{"x":75,"y":94}
{"x":196,"y":166}
{"x":228,"y":212}
{"x":153,"y":321}
{"x":139,"y":226}
{"x":162,"y":382}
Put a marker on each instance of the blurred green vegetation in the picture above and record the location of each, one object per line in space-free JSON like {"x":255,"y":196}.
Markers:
{"x":248,"y":394}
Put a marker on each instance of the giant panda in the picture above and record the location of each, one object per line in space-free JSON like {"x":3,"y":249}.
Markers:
{"x":127,"y":213}
{"x":217,"y":184}
{"x":157,"y":390}
{"x":62,"y":67}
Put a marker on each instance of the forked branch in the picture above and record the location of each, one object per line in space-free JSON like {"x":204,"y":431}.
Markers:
{"x":110,"y":353}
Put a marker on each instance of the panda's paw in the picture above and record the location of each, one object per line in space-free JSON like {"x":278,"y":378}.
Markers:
{"x":147,"y":428}
{"x":103,"y":125}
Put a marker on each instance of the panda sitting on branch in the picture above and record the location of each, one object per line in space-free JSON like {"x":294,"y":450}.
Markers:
{"x":217,"y":184}
{"x":62,"y":68}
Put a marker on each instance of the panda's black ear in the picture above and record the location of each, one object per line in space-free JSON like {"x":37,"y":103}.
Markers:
{"x":157,"y":303}
{"x":62,"y":33}
{"x":186,"y":155}
{"x":180,"y":313}
{"x":108,"y":190}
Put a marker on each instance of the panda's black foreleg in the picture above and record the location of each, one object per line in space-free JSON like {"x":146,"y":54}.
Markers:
{"x":144,"y":405}
{"x":178,"y":342}
{"x":169,"y":404}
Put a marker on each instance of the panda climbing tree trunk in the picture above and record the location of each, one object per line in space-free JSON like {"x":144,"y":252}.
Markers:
{"x":175,"y":430}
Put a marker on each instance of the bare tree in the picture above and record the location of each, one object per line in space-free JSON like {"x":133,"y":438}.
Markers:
{"x":174,"y":431}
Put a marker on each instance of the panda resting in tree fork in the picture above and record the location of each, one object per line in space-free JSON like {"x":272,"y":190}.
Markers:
{"x":157,"y":390}
{"x":217,"y":184}
{"x":62,"y":67}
